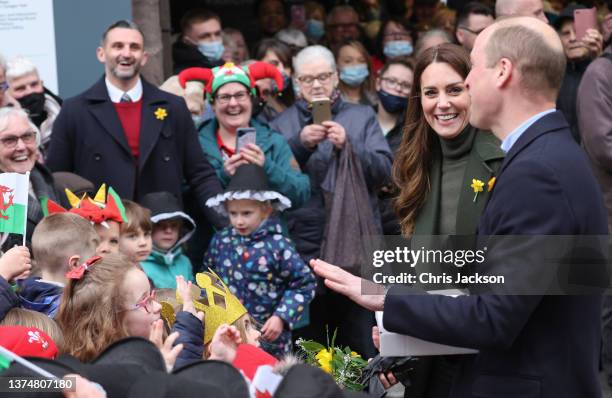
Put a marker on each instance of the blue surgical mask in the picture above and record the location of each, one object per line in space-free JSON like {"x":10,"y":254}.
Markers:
{"x":354,"y":75}
{"x":392,"y":103}
{"x":398,"y":48}
{"x":315,"y":29}
{"x":211,"y":50}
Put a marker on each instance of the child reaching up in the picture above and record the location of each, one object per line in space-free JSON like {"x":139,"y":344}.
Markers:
{"x":260,"y":265}
{"x":171,"y":228}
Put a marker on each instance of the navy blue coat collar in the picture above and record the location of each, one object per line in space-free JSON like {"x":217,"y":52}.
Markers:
{"x":552,"y":122}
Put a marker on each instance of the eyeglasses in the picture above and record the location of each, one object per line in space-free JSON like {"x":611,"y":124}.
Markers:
{"x":4,"y":86}
{"x":11,"y":141}
{"x":474,"y":32}
{"x":396,"y":84}
{"x":322,"y":78}
{"x":240,"y":96}
{"x":146,"y":303}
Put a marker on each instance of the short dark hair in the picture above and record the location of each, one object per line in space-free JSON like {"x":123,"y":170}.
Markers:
{"x":473,"y":7}
{"x":125,"y":24}
{"x":405,"y":62}
{"x":196,"y":15}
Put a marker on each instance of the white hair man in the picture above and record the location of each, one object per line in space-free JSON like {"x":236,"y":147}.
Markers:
{"x":25,"y":85}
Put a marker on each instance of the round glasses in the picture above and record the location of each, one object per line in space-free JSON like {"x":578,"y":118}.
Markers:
{"x":10,"y":141}
{"x":394,"y":84}
{"x":322,"y":78}
{"x":147,"y":303}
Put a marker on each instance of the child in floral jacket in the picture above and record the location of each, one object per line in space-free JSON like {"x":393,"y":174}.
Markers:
{"x":259,"y":265}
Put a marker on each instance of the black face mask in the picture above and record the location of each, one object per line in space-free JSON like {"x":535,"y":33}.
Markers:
{"x":392,"y":103}
{"x":35,"y":105}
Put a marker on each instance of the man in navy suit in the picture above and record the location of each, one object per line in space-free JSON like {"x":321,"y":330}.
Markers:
{"x":129,"y":134}
{"x":529,"y":345}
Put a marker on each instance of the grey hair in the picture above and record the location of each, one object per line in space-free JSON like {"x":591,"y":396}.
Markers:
{"x":292,"y":37}
{"x":6,"y":113}
{"x":312,"y":53}
{"x":19,"y":67}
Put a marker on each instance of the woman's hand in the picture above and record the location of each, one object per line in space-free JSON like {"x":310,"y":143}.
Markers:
{"x":312,"y":134}
{"x":184,"y":291}
{"x":253,"y":154}
{"x":336,"y":134}
{"x":15,"y":262}
{"x":165,"y":347}
{"x":224,"y":343}
{"x":231,"y":164}
{"x":593,"y":41}
{"x":272,"y":328}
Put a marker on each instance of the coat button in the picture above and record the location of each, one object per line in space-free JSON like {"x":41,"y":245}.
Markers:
{"x":166,"y":158}
{"x":97,"y":156}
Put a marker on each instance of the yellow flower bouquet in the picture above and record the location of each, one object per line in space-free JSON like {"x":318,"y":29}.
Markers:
{"x":344,"y":365}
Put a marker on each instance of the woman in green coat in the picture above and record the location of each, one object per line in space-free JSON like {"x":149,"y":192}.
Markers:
{"x":444,"y":170}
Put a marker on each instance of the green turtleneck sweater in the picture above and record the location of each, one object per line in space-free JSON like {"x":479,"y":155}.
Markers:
{"x":455,"y":152}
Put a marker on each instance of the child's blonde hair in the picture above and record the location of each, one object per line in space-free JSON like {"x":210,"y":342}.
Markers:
{"x":22,"y":317}
{"x":58,"y":237}
{"x":90,"y":313}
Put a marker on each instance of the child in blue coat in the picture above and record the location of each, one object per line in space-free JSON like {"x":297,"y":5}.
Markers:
{"x":259,"y":265}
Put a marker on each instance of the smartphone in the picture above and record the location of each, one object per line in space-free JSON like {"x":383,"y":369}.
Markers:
{"x":585,"y":18}
{"x":244,"y":136}
{"x":321,"y":110}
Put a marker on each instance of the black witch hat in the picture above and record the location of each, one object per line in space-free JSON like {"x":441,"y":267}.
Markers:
{"x":249,"y":182}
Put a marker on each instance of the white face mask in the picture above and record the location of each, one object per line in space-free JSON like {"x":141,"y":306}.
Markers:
{"x":211,"y":50}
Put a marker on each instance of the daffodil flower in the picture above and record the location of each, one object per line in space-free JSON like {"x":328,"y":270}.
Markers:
{"x":477,"y":186}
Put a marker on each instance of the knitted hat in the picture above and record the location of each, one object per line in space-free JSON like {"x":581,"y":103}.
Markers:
{"x":249,"y":182}
{"x":231,"y":73}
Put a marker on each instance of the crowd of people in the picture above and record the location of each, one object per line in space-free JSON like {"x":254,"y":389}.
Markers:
{"x":184,"y":232}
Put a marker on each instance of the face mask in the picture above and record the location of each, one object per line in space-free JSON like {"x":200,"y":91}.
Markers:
{"x":35,"y":105}
{"x":286,"y":80}
{"x":399,"y":48}
{"x":212,"y":51}
{"x":315,"y":29}
{"x":392,"y":103}
{"x":354,"y":75}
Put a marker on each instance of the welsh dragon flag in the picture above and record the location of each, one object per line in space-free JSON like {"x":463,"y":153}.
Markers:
{"x":14,"y":189}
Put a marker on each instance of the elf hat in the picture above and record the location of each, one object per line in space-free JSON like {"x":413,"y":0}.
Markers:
{"x":214,"y":78}
{"x":97,"y":210}
{"x":249,"y":182}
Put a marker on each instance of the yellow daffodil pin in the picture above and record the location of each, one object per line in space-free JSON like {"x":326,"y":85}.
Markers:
{"x":161,"y":114}
{"x":477,"y":186}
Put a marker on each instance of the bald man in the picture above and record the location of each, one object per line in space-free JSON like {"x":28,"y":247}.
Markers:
{"x":526,"y":8}
{"x":530,"y":344}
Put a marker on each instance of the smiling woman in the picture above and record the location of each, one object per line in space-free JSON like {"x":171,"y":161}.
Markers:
{"x":19,"y":139}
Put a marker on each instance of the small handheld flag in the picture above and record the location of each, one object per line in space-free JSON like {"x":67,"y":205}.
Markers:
{"x":14,"y":188}
{"x":6,"y":357}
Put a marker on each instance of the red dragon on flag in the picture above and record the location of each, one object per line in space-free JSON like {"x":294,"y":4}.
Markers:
{"x":5,"y":206}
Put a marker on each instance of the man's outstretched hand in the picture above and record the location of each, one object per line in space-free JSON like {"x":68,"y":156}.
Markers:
{"x":350,"y":285}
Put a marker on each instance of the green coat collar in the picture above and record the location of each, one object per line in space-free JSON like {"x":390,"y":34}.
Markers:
{"x":484,"y":161}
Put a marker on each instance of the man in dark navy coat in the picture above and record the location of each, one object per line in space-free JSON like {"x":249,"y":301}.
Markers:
{"x":534,"y":345}
{"x":127,"y":133}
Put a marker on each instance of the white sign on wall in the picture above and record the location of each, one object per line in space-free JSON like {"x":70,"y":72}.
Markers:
{"x":27,"y":29}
